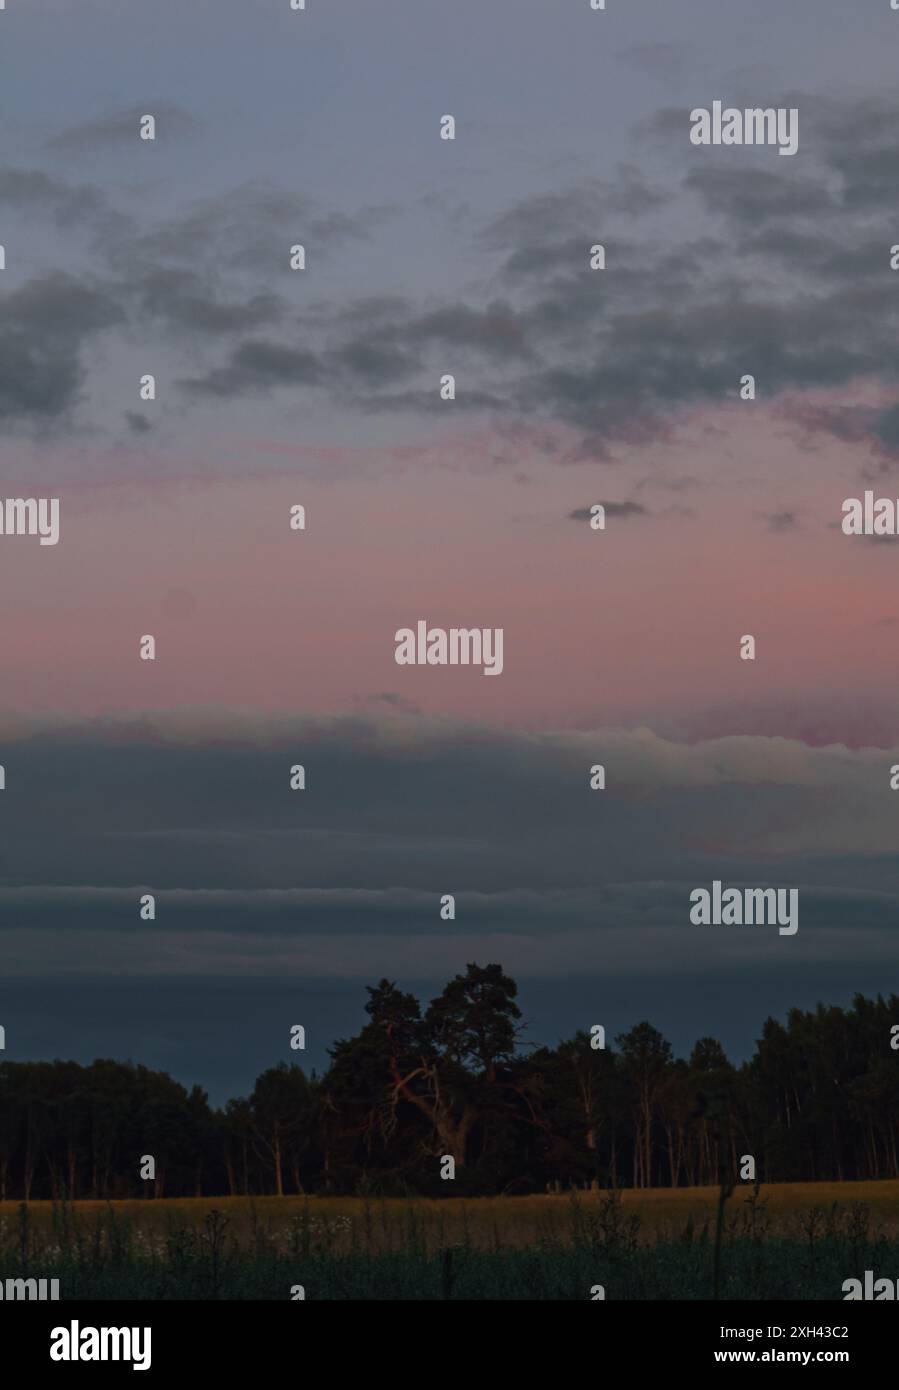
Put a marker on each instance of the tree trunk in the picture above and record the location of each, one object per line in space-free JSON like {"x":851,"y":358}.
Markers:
{"x":276,"y":1151}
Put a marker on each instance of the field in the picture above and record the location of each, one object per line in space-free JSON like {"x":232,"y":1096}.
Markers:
{"x":786,"y":1241}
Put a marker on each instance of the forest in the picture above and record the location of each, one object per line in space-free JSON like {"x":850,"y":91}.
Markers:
{"x":817,"y":1101}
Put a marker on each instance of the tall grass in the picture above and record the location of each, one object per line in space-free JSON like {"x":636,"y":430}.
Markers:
{"x":741,"y":1254}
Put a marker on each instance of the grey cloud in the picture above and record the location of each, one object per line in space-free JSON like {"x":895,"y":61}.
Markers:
{"x":779,"y":522}
{"x":405,"y":801}
{"x":746,"y":196}
{"x":339,"y":885}
{"x":122,"y":127}
{"x":376,"y":362}
{"x":576,"y":212}
{"x":619,"y":358}
{"x":188,"y":302}
{"x":45,"y":324}
{"x":257,"y":367}
{"x":32,"y":189}
{"x":422,"y":401}
{"x":619,"y":509}
{"x":338,"y":933}
{"x":249,"y":228}
{"x":497,"y":328}
{"x":878,"y":427}
{"x":670,"y":484}
{"x":390,"y":699}
{"x":390,"y":350}
{"x":885,"y":427}
{"x":646,"y":360}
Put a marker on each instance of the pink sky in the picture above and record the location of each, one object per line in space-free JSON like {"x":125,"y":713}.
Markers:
{"x":599,"y":627}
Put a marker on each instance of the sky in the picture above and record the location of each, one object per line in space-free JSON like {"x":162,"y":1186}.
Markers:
{"x":320,"y":387}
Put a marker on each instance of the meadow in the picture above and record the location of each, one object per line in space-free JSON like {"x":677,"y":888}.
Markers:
{"x":786,"y":1241}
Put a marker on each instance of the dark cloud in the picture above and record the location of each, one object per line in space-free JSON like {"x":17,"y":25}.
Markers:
{"x":375,"y":362}
{"x":620,"y":509}
{"x":753,"y":195}
{"x":123,"y":127}
{"x":497,"y":329}
{"x":421,"y":402}
{"x":788,"y":280}
{"x":249,"y":229}
{"x":399,"y":800}
{"x":779,"y":522}
{"x":391,"y":699}
{"x":32,"y":190}
{"x":333,"y":887}
{"x":183,"y":278}
{"x":187,"y":302}
{"x":548,"y":219}
{"x":670,"y":484}
{"x":257,"y":368}
{"x":874,"y":426}
{"x":885,"y":428}
{"x":44,"y":326}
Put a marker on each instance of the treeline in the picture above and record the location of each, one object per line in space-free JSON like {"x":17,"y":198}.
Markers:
{"x":818,"y":1100}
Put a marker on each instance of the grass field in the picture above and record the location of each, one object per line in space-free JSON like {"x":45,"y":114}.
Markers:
{"x":785,"y":1241}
